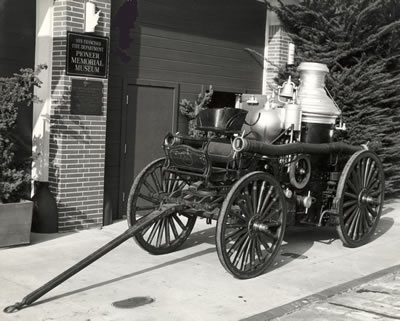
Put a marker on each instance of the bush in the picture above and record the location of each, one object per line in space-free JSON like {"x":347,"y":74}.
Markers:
{"x":15,"y":91}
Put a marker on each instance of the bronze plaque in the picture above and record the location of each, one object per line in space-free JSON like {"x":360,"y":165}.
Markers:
{"x":86,"y":97}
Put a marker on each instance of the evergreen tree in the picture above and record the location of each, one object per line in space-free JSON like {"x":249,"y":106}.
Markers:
{"x":359,"y":42}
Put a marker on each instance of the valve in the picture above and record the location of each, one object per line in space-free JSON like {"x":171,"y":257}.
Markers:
{"x":306,"y":201}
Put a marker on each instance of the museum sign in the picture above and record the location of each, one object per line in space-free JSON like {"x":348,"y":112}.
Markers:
{"x":87,"y":55}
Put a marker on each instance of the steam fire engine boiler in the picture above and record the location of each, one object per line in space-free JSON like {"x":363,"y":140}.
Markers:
{"x":268,"y":164}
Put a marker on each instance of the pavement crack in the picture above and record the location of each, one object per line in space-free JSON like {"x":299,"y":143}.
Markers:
{"x":386,"y":315}
{"x":372,"y":291}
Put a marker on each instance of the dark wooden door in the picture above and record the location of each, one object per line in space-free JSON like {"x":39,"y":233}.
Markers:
{"x":151,"y":112}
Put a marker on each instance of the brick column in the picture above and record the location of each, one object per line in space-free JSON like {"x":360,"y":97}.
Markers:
{"x":76,"y":142}
{"x":276,"y":49}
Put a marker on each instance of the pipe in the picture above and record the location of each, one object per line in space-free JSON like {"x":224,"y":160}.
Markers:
{"x":241,"y":144}
{"x":173,"y":140}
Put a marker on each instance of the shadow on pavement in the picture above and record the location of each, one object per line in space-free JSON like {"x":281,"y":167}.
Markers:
{"x":387,"y":210}
{"x":298,"y":240}
{"x":127,"y":276}
{"x":196,"y":238}
{"x":384,"y":225}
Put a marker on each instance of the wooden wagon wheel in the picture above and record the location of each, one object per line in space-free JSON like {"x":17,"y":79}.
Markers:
{"x":359,"y":198}
{"x":168,"y":233}
{"x":251,"y":225}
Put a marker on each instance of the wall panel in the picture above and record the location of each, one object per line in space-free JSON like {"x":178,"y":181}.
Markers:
{"x":192,"y":43}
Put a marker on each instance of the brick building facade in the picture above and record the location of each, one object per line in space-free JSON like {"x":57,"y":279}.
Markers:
{"x":173,"y":49}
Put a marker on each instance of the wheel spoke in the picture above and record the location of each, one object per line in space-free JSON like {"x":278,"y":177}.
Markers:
{"x":351,"y":195}
{"x":362,"y":170}
{"x":364,"y":222}
{"x":240,"y":251}
{"x":160,"y":233}
{"x":356,"y":179}
{"x":266,"y":199}
{"x":258,"y":250}
{"x":360,"y":174}
{"x":349,"y":211}
{"x":351,"y":185}
{"x":351,"y":217}
{"x":236,"y":225}
{"x":167,"y":233}
{"x":145,"y":208}
{"x":264,"y":213}
{"x":248,"y":204}
{"x":374,"y":185}
{"x":145,"y":230}
{"x":245,"y":254}
{"x":149,"y":187}
{"x":269,"y":235}
{"x":153,"y":232}
{"x":375,"y":193}
{"x":350,"y":203}
{"x":148,"y":198}
{"x":370,"y":174}
{"x":254,"y":196}
{"x":369,"y":217}
{"x":273,"y":223}
{"x":175,"y":185}
{"x":156,"y":181}
{"x":173,"y":227}
{"x":237,"y":244}
{"x":252,"y":254}
{"x":367,"y":168}
{"x":353,"y":221}
{"x":372,"y":179}
{"x":264,"y":243}
{"x":261,"y":196}
{"x":243,"y":206}
{"x":234,"y":235}
{"x":178,"y":220}
{"x":372,"y":211}
{"x":356,"y":225}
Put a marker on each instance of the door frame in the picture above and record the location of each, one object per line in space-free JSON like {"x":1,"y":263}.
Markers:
{"x":127,"y":81}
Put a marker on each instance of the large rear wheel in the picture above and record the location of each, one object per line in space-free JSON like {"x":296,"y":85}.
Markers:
{"x":251,"y":225}
{"x":148,"y":190}
{"x":360,"y":198}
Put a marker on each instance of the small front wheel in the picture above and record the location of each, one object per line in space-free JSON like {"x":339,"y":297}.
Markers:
{"x":251,"y":225}
{"x":168,"y":233}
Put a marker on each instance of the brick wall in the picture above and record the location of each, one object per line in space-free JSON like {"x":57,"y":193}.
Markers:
{"x":77,"y":142}
{"x":278,"y":50}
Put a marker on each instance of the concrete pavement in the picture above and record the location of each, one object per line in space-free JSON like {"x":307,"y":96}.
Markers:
{"x":190,"y":284}
{"x":375,"y":297}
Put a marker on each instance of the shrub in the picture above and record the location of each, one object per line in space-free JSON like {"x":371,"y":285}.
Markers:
{"x":15,"y":92}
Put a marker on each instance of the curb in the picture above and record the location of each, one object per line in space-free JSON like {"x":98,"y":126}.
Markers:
{"x":320,"y":296}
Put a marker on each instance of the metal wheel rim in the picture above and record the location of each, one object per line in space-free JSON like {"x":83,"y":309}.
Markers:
{"x":300,"y":172}
{"x":248,"y":240}
{"x":361,"y":194}
{"x":168,"y":233}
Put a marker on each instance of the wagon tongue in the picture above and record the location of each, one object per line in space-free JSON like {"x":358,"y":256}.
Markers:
{"x":164,"y":210}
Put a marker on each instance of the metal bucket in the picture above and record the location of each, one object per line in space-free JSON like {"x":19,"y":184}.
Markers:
{"x":223,"y":120}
